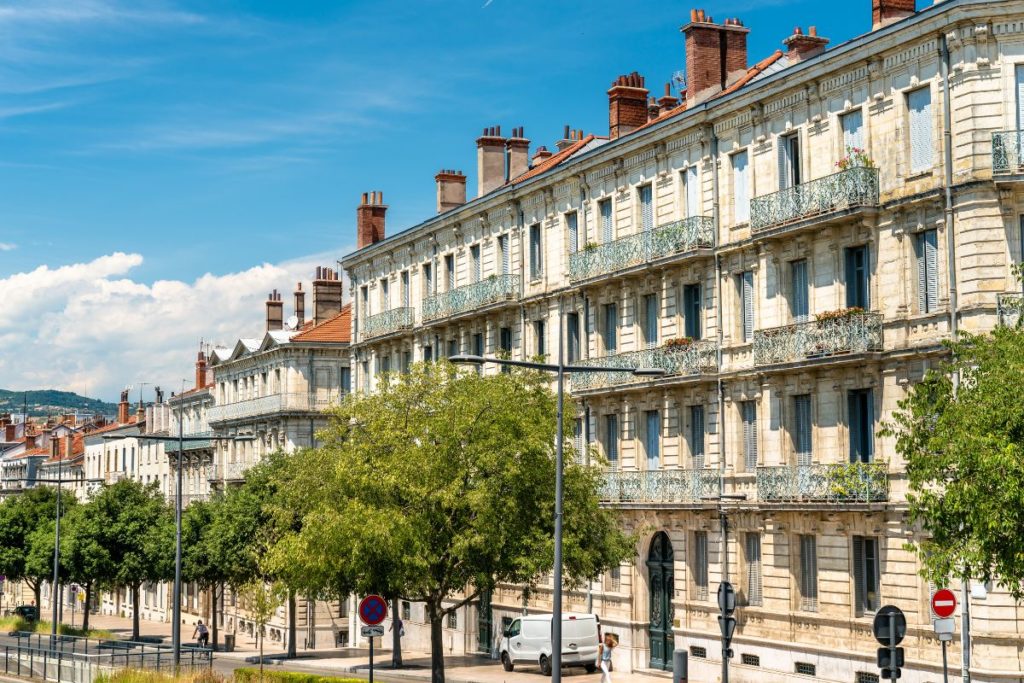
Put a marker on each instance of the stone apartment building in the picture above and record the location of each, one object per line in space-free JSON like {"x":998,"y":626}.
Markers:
{"x":791,"y":242}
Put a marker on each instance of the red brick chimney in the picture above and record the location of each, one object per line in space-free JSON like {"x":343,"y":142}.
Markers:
{"x":300,"y":304}
{"x":518,"y":148}
{"x":327,"y":295}
{"x":667,"y":102}
{"x":122,"y":408}
{"x":200,"y":370}
{"x":627,"y":105}
{"x":800,"y":47}
{"x":885,"y":12}
{"x":716,"y":55}
{"x":451,"y":189}
{"x":275,"y":311}
{"x":490,"y":161}
{"x":370,"y":219}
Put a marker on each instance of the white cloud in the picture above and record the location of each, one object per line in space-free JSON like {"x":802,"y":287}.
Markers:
{"x":8,"y":246}
{"x":92,"y":327}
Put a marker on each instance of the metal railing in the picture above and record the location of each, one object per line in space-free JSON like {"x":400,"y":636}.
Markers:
{"x":229,"y":471}
{"x":852,"y":188}
{"x":691,"y":359}
{"x":856,"y":482}
{"x":490,"y":290}
{"x":171,"y":445}
{"x":1006,"y":152}
{"x":274,"y":403}
{"x":660,"y":486}
{"x":1009,"y":307}
{"x":395,"y":320}
{"x":852,"y":333}
{"x":685,"y":235}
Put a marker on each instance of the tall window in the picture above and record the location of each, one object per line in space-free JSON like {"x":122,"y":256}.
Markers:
{"x":385,"y":295}
{"x":611,"y":325}
{"x":692,"y":192}
{"x":428,"y":353}
{"x":697,"y":436}
{"x":926,"y":250}
{"x":650,"y":327}
{"x":505,"y":340}
{"x":611,"y":439}
{"x":857,"y":273}
{"x":428,"y":279}
{"x":808,"y":573}
{"x":572,"y":332}
{"x":478,"y":344}
{"x":607,"y":226}
{"x":922,"y":148}
{"x":789,"y":161}
{"x":865,"y":575}
{"x":572,"y":232}
{"x":700,"y":565}
{"x":366,"y":375}
{"x":799,"y":291}
{"x":748,"y":410}
{"x":860,"y":406}
{"x":364,"y":303}
{"x":802,"y":429}
{"x":745,"y":284}
{"x":644,"y":194}
{"x":449,"y":270}
{"x":536,"y":254}
{"x":577,"y":432}
{"x":453,"y":347}
{"x":692,"y":311}
{"x":852,"y":124}
{"x":503,"y":254}
{"x":474,"y":258}
{"x":740,"y":187}
{"x":405,"y":289}
{"x":652,"y":439}
{"x":538,"y":337}
{"x":753,"y":557}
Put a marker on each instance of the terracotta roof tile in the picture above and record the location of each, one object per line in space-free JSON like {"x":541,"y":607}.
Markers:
{"x":337,"y":329}
{"x":555,"y":159}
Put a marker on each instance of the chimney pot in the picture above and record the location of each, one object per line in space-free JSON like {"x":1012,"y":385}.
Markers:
{"x":627,"y":105}
{"x":490,"y":157}
{"x":451,"y":190}
{"x":327,"y":295}
{"x":885,"y":12}
{"x":716,"y":56}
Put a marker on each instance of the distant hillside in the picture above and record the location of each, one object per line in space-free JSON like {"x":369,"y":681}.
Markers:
{"x":51,"y":402}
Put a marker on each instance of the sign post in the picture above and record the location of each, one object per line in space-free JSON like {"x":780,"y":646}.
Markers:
{"x":373,"y":609}
{"x":727,"y":623}
{"x":943,"y":606}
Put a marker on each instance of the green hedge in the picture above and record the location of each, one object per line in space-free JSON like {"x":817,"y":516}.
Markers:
{"x":248,"y":675}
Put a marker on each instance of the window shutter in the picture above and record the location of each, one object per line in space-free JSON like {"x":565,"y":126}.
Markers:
{"x":612,"y":445}
{"x":922,"y":273}
{"x":611,"y":323}
{"x":1019,"y":73}
{"x":809,"y":573}
{"x":750,"y":435}
{"x":653,"y":440}
{"x":853,"y":130}
{"x":802,"y":419}
{"x":692,"y":192}
{"x":747,"y":279}
{"x":405,"y":289}
{"x":607,"y":229}
{"x":860,"y":590}
{"x":921,"y":152}
{"x":799,"y":303}
{"x":753,"y":569}
{"x":697,"y":436}
{"x":931,"y":263}
{"x":573,"y":230}
{"x":475,"y":252}
{"x":741,"y":189}
{"x":855,"y":426}
{"x":651,"y":320}
{"x":868,"y":439}
{"x":646,"y":208}
{"x":784,"y":162}
{"x":700,"y":574}
{"x":503,"y":246}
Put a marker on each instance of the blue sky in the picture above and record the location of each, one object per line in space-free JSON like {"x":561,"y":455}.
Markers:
{"x":205,"y":139}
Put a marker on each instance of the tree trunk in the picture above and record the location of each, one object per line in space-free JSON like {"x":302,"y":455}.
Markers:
{"x":37,"y":590}
{"x":85,"y":607}
{"x":135,"y":611}
{"x":291,"y":624}
{"x":259,"y":637}
{"x":213,"y":614}
{"x":436,"y":644}
{"x":396,"y":635}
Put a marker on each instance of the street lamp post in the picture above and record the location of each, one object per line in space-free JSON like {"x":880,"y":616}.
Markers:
{"x":723,"y":519}
{"x":560,"y":369}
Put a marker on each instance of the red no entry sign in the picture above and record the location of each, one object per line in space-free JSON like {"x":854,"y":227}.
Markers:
{"x":944,"y":603}
{"x":373,"y":609}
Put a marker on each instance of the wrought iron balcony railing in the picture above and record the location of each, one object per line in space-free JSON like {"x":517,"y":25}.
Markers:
{"x":660,"y":486}
{"x":229,"y":471}
{"x":1006,"y":153}
{"x":852,"y":188}
{"x":274,"y":403}
{"x":395,"y":320}
{"x":1009,"y":308}
{"x":694,"y":358}
{"x":490,"y":290}
{"x":685,"y":235}
{"x":856,"y":482}
{"x":171,"y":444}
{"x":852,"y":333}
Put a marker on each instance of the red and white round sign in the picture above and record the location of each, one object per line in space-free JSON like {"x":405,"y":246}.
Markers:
{"x":944,"y":603}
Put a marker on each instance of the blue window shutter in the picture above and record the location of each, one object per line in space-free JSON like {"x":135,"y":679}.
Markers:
{"x":802,"y":429}
{"x":799,"y":302}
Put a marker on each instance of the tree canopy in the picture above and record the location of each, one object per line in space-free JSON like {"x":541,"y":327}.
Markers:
{"x":21,"y":516}
{"x":964,"y":448}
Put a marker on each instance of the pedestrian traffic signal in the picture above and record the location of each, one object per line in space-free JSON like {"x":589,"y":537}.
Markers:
{"x":891,"y":674}
{"x":886,"y":658}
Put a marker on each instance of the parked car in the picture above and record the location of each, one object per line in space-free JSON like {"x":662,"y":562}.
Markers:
{"x":528,"y":639}
{"x":27,"y":612}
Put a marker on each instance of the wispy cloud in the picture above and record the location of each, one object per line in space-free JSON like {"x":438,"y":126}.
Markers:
{"x":11,"y":112}
{"x":8,"y":246}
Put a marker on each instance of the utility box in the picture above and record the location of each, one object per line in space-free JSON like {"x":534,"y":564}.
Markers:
{"x":679,"y":664}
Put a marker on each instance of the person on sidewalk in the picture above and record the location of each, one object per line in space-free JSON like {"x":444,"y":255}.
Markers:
{"x":203,"y":633}
{"x":604,"y":656}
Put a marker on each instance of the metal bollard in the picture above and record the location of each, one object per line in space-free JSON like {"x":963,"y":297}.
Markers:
{"x":679,"y":667}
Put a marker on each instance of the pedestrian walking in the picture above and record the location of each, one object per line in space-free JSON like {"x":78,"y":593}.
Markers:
{"x":604,"y":656}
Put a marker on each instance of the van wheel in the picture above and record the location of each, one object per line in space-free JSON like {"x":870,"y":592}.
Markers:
{"x":545,"y":665}
{"x":590,"y":668}
{"x":506,"y":663}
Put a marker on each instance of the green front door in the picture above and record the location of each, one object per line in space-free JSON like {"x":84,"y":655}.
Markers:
{"x":662,"y":588}
{"x":484,"y":624}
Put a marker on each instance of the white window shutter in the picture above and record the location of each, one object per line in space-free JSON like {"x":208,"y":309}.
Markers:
{"x":1019,"y":73}
{"x":921,"y":146}
{"x":692,"y":192}
{"x":922,"y":273}
{"x":931,"y":262}
{"x":573,"y":232}
{"x":747,"y":312}
{"x":750,"y":435}
{"x":853,"y":130}
{"x":646,"y":208}
{"x":741,"y":188}
{"x":607,"y":228}
{"x":784,"y":162}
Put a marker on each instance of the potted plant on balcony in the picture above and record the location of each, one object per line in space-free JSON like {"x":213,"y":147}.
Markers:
{"x":590,"y":246}
{"x":855,"y":158}
{"x":678,"y":343}
{"x":829,"y":324}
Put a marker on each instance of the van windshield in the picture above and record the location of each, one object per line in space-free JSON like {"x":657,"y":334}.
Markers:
{"x":513,"y":629}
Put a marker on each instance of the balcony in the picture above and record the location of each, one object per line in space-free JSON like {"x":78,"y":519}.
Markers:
{"x":272,"y":404}
{"x":114,"y":477}
{"x":660,"y":486}
{"x":395,"y":320}
{"x":229,"y":471}
{"x":171,"y":444}
{"x":681,"y":236}
{"x":694,"y":358}
{"x":491,"y":290}
{"x":823,"y":338}
{"x":1008,"y":308}
{"x":1006,"y":154}
{"x":857,"y":482}
{"x":847,"y":190}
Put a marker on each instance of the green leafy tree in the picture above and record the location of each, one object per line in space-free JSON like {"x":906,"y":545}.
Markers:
{"x":440,"y":485}
{"x":82,"y":553}
{"x":135,"y":528}
{"x":964,"y":449}
{"x":262,"y":598}
{"x":20,"y":517}
{"x":200,"y":553}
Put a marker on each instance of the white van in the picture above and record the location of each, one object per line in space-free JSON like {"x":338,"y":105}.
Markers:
{"x":528,"y":639}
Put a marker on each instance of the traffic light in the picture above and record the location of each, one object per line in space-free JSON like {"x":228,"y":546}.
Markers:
{"x":890,"y":660}
{"x":891,"y":674}
{"x":728,"y":627}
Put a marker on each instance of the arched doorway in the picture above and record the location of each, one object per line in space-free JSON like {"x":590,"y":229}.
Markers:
{"x":662,"y":588}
